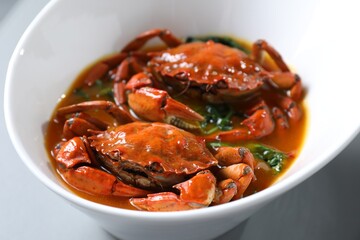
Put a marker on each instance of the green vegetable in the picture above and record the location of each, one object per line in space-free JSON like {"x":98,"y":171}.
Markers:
{"x":218,"y":115}
{"x":223,"y":40}
{"x":81,"y":93}
{"x":108,"y":92}
{"x":103,"y":90}
{"x":99,"y":84}
{"x":216,"y":145}
{"x":273,"y":157}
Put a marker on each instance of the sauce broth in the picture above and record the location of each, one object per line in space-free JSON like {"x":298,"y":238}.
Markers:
{"x":289,"y":141}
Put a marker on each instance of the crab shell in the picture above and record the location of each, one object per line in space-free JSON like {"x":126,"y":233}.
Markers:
{"x":151,"y":155}
{"x":228,"y":74}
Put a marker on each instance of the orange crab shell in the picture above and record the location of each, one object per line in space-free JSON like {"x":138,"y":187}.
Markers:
{"x":174,"y":150}
{"x":230,"y":70}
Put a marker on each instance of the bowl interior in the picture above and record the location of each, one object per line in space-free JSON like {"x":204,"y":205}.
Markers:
{"x":63,"y":40}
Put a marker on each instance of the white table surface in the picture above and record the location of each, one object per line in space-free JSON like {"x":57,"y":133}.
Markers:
{"x":326,"y":206}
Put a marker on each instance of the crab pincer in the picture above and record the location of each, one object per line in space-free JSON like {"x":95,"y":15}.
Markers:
{"x":242,"y":175}
{"x":109,"y":163}
{"x":228,"y":156}
{"x":77,"y":164}
{"x":260,"y":123}
{"x":236,"y":174}
{"x":197,"y":192}
{"x":80,"y":123}
{"x":156,"y":105}
{"x":200,"y":191}
{"x":225,"y":191}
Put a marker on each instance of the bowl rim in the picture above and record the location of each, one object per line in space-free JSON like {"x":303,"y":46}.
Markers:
{"x":261,"y":197}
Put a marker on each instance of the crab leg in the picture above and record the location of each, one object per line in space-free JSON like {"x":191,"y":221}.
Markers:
{"x":75,"y":159}
{"x":130,"y":66}
{"x":118,"y":112}
{"x":261,"y":45}
{"x":197,"y":192}
{"x":100,"y":69}
{"x":289,"y":81}
{"x":259,"y":124}
{"x":119,"y":93}
{"x":284,"y":79}
{"x":290,"y":107}
{"x":80,"y":123}
{"x":280,"y":118}
{"x":122,"y":73}
{"x":296,"y":91}
{"x":241,"y":173}
{"x":164,"y":34}
{"x":127,"y":58}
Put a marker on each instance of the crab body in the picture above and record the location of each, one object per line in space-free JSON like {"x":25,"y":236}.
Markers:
{"x":147,"y":81}
{"x":226,"y":76}
{"x":150,"y":159}
{"x":151,"y":155}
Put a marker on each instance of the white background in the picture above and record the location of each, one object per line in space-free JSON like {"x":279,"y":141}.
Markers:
{"x":326,"y":206}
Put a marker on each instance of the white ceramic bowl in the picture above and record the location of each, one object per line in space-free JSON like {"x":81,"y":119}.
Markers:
{"x":316,"y":37}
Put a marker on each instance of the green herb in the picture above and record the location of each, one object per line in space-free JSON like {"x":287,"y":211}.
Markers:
{"x":99,"y":84}
{"x":106,"y":92}
{"x":81,"y":93}
{"x":273,"y":157}
{"x":219,"y":116}
{"x":223,"y":40}
{"x":216,"y":145}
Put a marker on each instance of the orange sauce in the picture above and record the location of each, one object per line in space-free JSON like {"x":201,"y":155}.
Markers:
{"x":289,"y":141}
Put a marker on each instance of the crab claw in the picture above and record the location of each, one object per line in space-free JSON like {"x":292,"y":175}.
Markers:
{"x":227,"y":156}
{"x":197,"y":192}
{"x":280,"y":118}
{"x":225,"y":191}
{"x":290,"y":81}
{"x":95,"y":181}
{"x":242,"y":175}
{"x":74,"y":158}
{"x":260,"y":123}
{"x":291,"y":108}
{"x":72,"y":153}
{"x":80,"y":123}
{"x":237,"y":175}
{"x":156,"y":105}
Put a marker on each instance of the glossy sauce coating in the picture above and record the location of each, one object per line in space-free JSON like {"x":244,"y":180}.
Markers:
{"x":169,"y":147}
{"x":289,"y":141}
{"x":224,"y":64}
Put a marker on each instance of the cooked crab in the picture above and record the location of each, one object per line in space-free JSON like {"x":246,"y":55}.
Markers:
{"x":145,"y":82}
{"x":150,"y":159}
